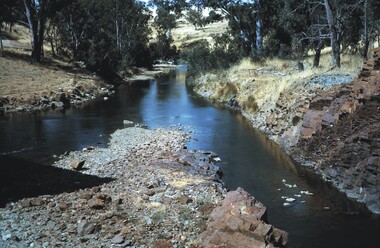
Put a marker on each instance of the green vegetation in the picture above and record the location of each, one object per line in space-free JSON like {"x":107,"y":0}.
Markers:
{"x":111,"y":35}
{"x":290,"y":29}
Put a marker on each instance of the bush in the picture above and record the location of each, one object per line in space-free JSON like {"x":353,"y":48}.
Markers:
{"x":202,"y":57}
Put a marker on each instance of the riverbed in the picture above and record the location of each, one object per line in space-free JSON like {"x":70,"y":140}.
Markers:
{"x":316,"y":216}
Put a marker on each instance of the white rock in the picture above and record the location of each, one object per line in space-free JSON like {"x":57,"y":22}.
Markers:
{"x":6,"y":236}
{"x":288,"y":185}
{"x":286,"y":204}
{"x":290,"y":199}
{"x":217,"y":159}
{"x":306,"y":192}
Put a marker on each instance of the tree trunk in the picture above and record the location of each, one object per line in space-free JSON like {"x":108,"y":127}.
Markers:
{"x":36,"y":21}
{"x":366,"y":39}
{"x":259,"y":36}
{"x":317,"y":56}
{"x":52,"y":47}
{"x":335,"y":44}
{"x":1,"y":43}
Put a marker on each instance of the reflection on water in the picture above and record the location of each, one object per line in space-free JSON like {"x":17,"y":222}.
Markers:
{"x":249,"y":159}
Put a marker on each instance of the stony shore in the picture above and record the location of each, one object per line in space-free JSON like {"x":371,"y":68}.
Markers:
{"x":158,"y":194}
{"x":328,"y":123}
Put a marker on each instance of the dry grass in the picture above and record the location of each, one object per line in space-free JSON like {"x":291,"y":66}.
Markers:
{"x":260,"y":84}
{"x":25,"y":82}
{"x":185,"y":33}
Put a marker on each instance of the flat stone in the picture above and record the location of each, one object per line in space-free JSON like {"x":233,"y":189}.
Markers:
{"x":84,"y":227}
{"x":118,"y":239}
{"x":37,"y":202}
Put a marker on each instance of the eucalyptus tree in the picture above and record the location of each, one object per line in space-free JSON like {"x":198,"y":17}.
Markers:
{"x":371,"y":24}
{"x":167,"y":13}
{"x":108,"y":35}
{"x":37,"y":12}
{"x":6,"y":15}
{"x":244,"y":20}
{"x":331,"y":21}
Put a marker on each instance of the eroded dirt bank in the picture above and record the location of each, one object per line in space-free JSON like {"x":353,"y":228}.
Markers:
{"x":55,"y":84}
{"x":328,"y":122}
{"x":145,"y":190}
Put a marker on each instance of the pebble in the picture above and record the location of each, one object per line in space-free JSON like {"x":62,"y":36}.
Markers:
{"x":290,"y":199}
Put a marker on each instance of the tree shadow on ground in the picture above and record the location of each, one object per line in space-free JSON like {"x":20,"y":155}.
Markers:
{"x":47,"y":62}
{"x":22,"y":179}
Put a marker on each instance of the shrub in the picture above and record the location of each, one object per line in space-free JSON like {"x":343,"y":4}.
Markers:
{"x":202,"y":57}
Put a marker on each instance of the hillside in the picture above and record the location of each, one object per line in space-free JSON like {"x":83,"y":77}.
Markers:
{"x":53,"y":83}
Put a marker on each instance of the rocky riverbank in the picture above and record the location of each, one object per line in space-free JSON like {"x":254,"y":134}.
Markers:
{"x":151,"y":192}
{"x":327,"y":122}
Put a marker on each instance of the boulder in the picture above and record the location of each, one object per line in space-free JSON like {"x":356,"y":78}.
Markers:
{"x":77,"y":165}
{"x":240,"y":222}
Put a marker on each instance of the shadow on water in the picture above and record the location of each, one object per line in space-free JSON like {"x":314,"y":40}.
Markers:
{"x":21,"y":179}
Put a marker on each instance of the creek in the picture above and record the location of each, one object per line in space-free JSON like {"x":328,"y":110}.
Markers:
{"x":319,"y":217}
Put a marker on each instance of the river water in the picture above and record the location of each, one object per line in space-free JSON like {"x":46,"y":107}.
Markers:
{"x":322,"y":218}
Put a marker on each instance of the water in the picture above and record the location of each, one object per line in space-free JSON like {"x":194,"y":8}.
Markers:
{"x":249,"y":160}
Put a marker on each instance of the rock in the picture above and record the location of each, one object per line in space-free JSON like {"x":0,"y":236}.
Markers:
{"x":290,"y":199}
{"x":86,"y":227}
{"x":37,"y":202}
{"x":162,"y":244}
{"x":118,"y":239}
{"x":5,"y":237}
{"x":331,"y":172}
{"x":183,"y":199}
{"x":128,"y":123}
{"x":56,"y":105}
{"x":62,"y":206}
{"x":25,"y":203}
{"x":239,"y":222}
{"x":150,"y":192}
{"x":99,"y":201}
{"x":77,"y":165}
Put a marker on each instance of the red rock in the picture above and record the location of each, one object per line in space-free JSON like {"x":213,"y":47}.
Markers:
{"x":313,"y":119}
{"x":239,"y":222}
{"x":348,"y":107}
{"x":99,"y":201}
